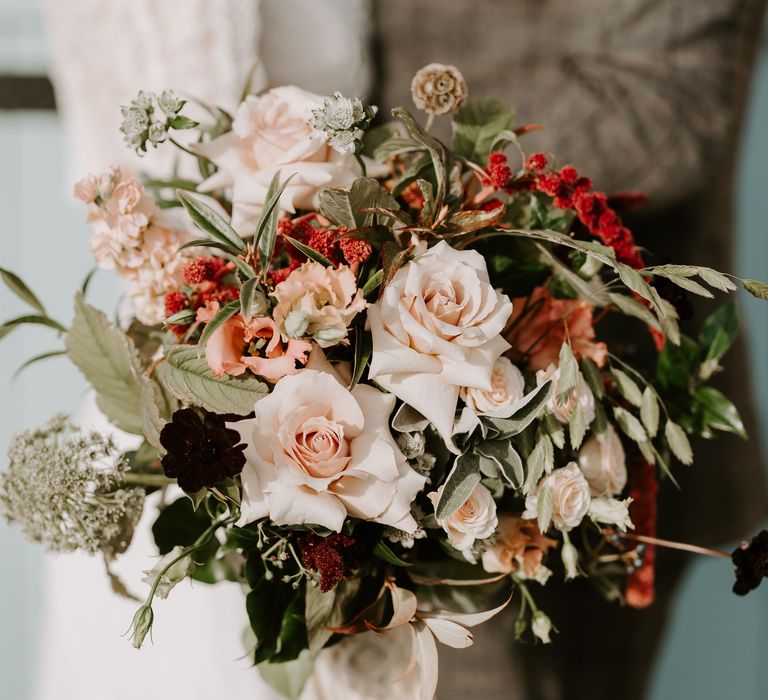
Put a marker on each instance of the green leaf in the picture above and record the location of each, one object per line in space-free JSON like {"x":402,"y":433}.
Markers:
{"x":180,"y":122}
{"x":541,"y":461}
{"x":266,"y":605}
{"x":87,"y":281}
{"x":592,"y":375}
{"x":345,"y":207}
{"x":208,"y":243}
{"x":151,"y":420}
{"x":266,"y":228}
{"x":676,"y":365}
{"x":508,"y":463}
{"x":311,"y":253}
{"x":678,"y":442}
{"x":690,"y":286}
{"x":459,"y":484}
{"x":210,"y":221}
{"x":544,"y":509}
{"x":108,"y":359}
{"x":382,"y":551}
{"x":38,"y":358}
{"x":222,"y":316}
{"x":247,"y":295}
{"x":363,"y":350}
{"x":293,"y":630}
{"x":649,"y":411}
{"x":180,"y":318}
{"x":468,"y":221}
{"x":290,"y":677}
{"x":21,"y":290}
{"x":627,"y":387}
{"x":716,"y":337}
{"x":577,"y":427}
{"x":718,"y":412}
{"x":632,"y":307}
{"x":569,"y":374}
{"x":190,"y":380}
{"x":629,"y":423}
{"x":15,"y":323}
{"x":435,"y":149}
{"x":531,"y":408}
{"x":178,"y":524}
{"x":393,"y":258}
{"x":373,"y":282}
{"x":318,"y":608}
{"x":477,"y":125}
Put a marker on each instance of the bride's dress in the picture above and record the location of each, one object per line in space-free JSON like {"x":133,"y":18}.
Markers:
{"x":103,"y":52}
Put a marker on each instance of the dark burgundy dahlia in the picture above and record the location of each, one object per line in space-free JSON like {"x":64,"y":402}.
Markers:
{"x":751,"y":562}
{"x":202,"y":451}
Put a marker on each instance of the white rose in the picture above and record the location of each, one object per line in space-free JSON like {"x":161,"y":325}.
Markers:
{"x":370,"y":666}
{"x":437,"y":329}
{"x":582,"y":395}
{"x":474,"y":520}
{"x":602,"y":462}
{"x":507,"y":388}
{"x":570,"y":495}
{"x":317,"y":453}
{"x":270,"y":133}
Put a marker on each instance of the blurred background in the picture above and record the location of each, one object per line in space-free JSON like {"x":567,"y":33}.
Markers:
{"x":716,"y":643}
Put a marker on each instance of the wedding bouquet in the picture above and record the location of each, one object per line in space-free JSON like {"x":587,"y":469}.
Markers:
{"x":375,"y":379}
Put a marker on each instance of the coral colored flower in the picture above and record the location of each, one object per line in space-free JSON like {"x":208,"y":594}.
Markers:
{"x":518,"y":546}
{"x":226,"y":349}
{"x":544,"y":324}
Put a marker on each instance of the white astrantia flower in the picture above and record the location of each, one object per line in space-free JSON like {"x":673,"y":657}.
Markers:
{"x":317,"y":453}
{"x":341,"y":122}
{"x":436,"y":329}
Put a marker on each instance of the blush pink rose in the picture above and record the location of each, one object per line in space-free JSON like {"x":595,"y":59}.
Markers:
{"x":318,"y":453}
{"x":225,"y":351}
{"x":542,"y":327}
{"x":270,"y":133}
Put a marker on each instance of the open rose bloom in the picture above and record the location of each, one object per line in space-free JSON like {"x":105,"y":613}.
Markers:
{"x":377,"y":366}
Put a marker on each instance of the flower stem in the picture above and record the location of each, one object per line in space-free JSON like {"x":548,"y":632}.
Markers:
{"x":361,"y":163}
{"x":135,"y":479}
{"x":670,"y":544}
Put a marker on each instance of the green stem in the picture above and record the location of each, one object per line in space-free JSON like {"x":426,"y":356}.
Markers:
{"x":135,"y":479}
{"x":361,"y":163}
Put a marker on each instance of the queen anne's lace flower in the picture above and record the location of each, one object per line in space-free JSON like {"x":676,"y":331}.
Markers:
{"x":65,"y":490}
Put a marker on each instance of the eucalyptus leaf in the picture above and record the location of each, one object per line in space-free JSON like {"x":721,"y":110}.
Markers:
{"x":21,"y":290}
{"x":210,"y":221}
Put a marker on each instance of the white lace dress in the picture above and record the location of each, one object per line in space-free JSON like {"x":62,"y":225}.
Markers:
{"x":102,"y":52}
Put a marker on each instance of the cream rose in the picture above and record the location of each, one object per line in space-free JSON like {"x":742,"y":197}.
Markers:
{"x":370,"y":666}
{"x":318,"y":301}
{"x":570,"y":495}
{"x":317,"y":453}
{"x":602,"y":462}
{"x":475,"y":519}
{"x":437,"y":329}
{"x":507,"y":389}
{"x":581,"y":396}
{"x":270,"y":133}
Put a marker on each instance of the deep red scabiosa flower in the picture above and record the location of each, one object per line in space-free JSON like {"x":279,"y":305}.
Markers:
{"x":333,"y":557}
{"x":750,"y":560}
{"x":497,"y":172}
{"x":538,"y":161}
{"x":639,"y":591}
{"x":201,"y":450}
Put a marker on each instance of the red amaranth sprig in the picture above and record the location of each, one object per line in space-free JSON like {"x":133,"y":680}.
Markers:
{"x":333,"y":557}
{"x":639,"y":591}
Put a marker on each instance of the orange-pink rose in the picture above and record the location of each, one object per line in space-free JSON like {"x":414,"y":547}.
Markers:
{"x":225,"y":351}
{"x":519,"y":546}
{"x":539,"y":328}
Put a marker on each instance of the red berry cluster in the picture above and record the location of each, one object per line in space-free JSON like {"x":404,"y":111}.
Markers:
{"x":570,"y":190}
{"x":333,"y":557}
{"x":497,"y":172}
{"x":639,"y":591}
{"x":326,"y":241}
{"x":199,"y":270}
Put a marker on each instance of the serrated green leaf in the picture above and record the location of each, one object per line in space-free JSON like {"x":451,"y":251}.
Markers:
{"x":678,"y":442}
{"x":577,"y":427}
{"x":477,"y":125}
{"x":210,"y":221}
{"x":716,"y":279}
{"x":627,"y":387}
{"x":690,"y":286}
{"x":632,"y":307}
{"x":347,"y":207}
{"x":629,"y":424}
{"x":544,"y":509}
{"x":541,"y":461}
{"x":459,"y":484}
{"x":649,"y":411}
{"x":21,"y":290}
{"x":569,"y":374}
{"x":108,"y":359}
{"x":190,"y":380}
